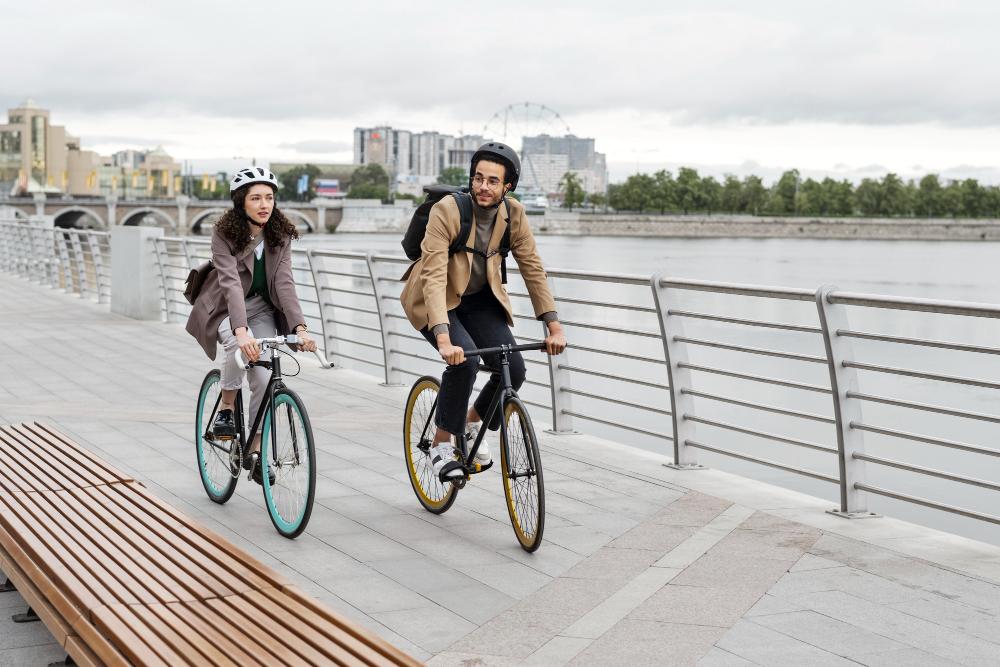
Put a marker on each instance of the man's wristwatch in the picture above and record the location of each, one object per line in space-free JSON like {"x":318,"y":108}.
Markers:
{"x":301,"y":328}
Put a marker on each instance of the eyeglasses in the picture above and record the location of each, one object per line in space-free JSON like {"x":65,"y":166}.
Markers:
{"x":492,"y":182}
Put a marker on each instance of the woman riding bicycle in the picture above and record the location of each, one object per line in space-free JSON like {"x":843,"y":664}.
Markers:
{"x":458,"y":301}
{"x":242,"y":300}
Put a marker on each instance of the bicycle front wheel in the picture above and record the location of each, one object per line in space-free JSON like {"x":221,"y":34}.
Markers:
{"x":292,"y":459}
{"x":418,"y":434}
{"x":521,"y":467}
{"x":218,"y":461}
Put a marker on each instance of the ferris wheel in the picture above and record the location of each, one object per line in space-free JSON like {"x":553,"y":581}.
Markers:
{"x":526,"y":119}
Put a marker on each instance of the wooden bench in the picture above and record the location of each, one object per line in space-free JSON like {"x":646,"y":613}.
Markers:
{"x":121,"y":577}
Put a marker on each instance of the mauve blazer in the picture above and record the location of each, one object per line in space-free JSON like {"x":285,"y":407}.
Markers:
{"x":224,"y":292}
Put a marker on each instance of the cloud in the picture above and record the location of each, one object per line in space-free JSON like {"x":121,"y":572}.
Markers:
{"x":317,"y":146}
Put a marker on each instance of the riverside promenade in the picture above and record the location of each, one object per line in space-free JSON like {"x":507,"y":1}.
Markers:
{"x":641,"y":564}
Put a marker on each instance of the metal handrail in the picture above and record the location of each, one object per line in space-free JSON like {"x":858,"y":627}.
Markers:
{"x":972,"y":481}
{"x":739,"y":320}
{"x":609,"y":399}
{"x":789,"y":293}
{"x":981,"y":416}
{"x":762,"y":434}
{"x":623,"y":378}
{"x":759,"y":406}
{"x":763,"y":462}
{"x":920,"y":374}
{"x":751,"y":350}
{"x":757,"y":378}
{"x":954,"y":444}
{"x":944,"y":345}
{"x":609,"y":422}
{"x":922,"y":305}
{"x":927,"y":503}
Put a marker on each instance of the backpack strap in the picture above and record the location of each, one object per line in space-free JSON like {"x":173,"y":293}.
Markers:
{"x":461,"y":243}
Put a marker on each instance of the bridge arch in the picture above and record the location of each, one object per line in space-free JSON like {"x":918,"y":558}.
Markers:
{"x":72,"y":216}
{"x":196,"y":221}
{"x":136,"y":216}
{"x":299,"y":219}
{"x":12,"y":212}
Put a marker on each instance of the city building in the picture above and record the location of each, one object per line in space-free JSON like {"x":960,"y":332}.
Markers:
{"x":39,"y":157}
{"x":544,"y":160}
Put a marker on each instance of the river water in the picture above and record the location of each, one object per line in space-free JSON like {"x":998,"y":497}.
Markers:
{"x":939,"y":270}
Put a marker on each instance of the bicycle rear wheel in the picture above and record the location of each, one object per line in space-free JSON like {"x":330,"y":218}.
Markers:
{"x":292,"y":458}
{"x":215,"y":457}
{"x":521,"y":467}
{"x":418,"y":434}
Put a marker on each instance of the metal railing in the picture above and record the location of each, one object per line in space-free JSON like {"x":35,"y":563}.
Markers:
{"x":75,"y":260}
{"x":624,"y":331}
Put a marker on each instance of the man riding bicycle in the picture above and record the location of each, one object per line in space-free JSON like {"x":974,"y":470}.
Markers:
{"x":458,"y":301}
{"x":249,"y":295}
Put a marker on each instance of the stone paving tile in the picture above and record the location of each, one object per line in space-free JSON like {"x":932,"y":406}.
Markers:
{"x":693,"y":509}
{"x":613,"y":564}
{"x":452,"y":659}
{"x":768,"y":604}
{"x":568,"y":597}
{"x":716,"y":657}
{"x":726,"y":572}
{"x":861,"y":584}
{"x":633,"y":643}
{"x":953,"y":614}
{"x":764,"y":544}
{"x":660,"y":538}
{"x":514,"y":633}
{"x":40,"y":655}
{"x":695,"y":605}
{"x":910,"y":657}
{"x":433,"y":629}
{"x":827,"y":633}
{"x":773,"y":649}
{"x":810,"y":562}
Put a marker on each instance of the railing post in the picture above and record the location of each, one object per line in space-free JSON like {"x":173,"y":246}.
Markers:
{"x":6,"y":251}
{"x":319,"y":304}
{"x":36,"y":257}
{"x":81,"y":265}
{"x":678,"y":376}
{"x":67,"y":273}
{"x":330,"y":344}
{"x":393,"y":378}
{"x":832,"y":317}
{"x":160,"y":247}
{"x":190,"y":254}
{"x":97,"y":255}
{"x":562,"y":401}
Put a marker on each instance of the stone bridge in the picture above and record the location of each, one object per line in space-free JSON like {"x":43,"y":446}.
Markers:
{"x":182,"y":215}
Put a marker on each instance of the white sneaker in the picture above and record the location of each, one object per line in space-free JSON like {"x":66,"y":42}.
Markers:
{"x":441,"y":456}
{"x":483,"y":457}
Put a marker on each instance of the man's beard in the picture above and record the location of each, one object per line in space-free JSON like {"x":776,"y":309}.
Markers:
{"x":489,"y":207}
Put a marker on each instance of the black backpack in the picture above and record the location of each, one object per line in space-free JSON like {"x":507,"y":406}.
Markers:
{"x":418,"y":225}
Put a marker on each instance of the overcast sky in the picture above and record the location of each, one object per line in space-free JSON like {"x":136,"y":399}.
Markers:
{"x":848,"y":89}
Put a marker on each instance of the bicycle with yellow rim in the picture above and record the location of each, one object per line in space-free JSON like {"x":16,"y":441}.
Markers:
{"x":520,"y":461}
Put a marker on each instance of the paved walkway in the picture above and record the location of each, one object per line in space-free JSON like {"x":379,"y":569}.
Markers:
{"x":641,"y":565}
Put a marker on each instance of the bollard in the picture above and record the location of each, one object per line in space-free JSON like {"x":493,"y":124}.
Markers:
{"x":137,"y":288}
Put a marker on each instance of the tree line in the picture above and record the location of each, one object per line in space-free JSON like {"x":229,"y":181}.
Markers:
{"x":790,"y":195}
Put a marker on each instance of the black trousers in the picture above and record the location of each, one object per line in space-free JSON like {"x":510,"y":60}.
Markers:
{"x":478,"y":321}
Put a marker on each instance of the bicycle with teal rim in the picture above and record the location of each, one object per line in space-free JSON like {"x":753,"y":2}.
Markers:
{"x":287,"y":447}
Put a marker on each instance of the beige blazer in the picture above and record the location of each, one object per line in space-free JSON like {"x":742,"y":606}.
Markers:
{"x":224,"y":292}
{"x":435,"y":282}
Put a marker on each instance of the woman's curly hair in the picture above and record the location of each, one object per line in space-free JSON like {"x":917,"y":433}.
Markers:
{"x":233,"y":223}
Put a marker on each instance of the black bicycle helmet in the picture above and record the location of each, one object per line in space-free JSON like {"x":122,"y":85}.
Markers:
{"x":503,"y":151}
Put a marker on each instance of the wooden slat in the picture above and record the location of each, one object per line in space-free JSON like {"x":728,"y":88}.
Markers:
{"x":68,"y":551}
{"x":281,"y":632}
{"x":75,"y":581}
{"x":257,"y":573}
{"x":81,"y":653}
{"x":233,"y":646}
{"x":50,"y":616}
{"x":219,"y":614}
{"x":395,"y":655}
{"x":40,"y":457}
{"x":148,"y":556}
{"x":206,"y":647}
{"x":338,"y":645}
{"x":100,"y":643}
{"x":12,"y":477}
{"x":81,"y":455}
{"x":219,"y":582}
{"x":133,"y":638}
{"x":179,"y":645}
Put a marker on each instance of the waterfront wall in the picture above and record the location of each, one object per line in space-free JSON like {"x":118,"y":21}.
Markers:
{"x":387,"y":219}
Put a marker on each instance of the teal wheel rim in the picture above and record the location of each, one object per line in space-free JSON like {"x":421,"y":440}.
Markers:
{"x":288,"y":498}
{"x":212,"y":466}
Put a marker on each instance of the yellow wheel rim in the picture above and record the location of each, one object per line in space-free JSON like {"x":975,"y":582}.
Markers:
{"x":521,"y":492}
{"x":431,"y":492}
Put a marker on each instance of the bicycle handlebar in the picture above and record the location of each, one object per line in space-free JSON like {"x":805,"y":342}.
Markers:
{"x":505,"y":349}
{"x":290,"y":339}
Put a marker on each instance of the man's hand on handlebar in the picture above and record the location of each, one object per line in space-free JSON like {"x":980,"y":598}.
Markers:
{"x":247,"y":343}
{"x":452,"y":354}
{"x":555,"y":343}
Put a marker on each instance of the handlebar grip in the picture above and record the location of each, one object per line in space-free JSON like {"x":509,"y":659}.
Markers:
{"x":510,"y":348}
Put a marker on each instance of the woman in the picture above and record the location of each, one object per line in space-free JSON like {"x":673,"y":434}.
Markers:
{"x":248,"y":298}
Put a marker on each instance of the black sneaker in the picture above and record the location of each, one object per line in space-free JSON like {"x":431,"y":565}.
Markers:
{"x":256,"y":476}
{"x":225,"y":424}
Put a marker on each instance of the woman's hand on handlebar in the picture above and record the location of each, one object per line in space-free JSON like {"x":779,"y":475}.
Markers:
{"x":555,"y":343}
{"x":306,"y":342}
{"x":452,"y":354}
{"x":247,"y":343}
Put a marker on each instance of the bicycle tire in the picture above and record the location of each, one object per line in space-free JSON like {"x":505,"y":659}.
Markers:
{"x":216,"y":474}
{"x":418,"y":417}
{"x":288,"y":505}
{"x":525,"y":493}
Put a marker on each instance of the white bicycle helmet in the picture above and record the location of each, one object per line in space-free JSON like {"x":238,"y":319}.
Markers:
{"x":253,"y":175}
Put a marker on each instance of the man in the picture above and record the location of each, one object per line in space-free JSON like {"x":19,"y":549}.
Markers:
{"x":459,"y":302}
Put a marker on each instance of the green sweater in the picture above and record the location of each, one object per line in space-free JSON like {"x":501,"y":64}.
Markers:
{"x":259,"y":285}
